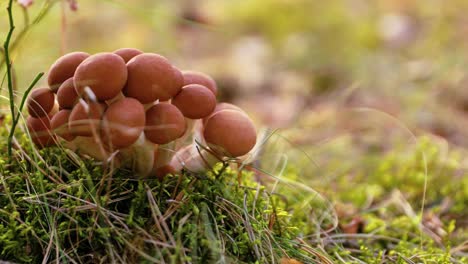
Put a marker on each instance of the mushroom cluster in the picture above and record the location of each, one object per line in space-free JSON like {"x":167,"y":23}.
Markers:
{"x":138,"y":110}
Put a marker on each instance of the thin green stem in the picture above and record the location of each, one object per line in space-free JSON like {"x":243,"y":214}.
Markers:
{"x":6,"y":47}
{"x":16,"y":118}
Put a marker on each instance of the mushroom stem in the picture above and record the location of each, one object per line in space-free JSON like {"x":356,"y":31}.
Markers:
{"x":193,"y":158}
{"x":88,"y":146}
{"x":139,"y":156}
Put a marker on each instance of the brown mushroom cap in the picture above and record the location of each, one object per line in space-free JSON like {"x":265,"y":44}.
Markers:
{"x":67,"y":95}
{"x":40,"y":102}
{"x":195,"y":101}
{"x":105,"y":73}
{"x":223,"y":106}
{"x":85,"y":117}
{"x":164,"y":123}
{"x":59,"y":125}
{"x":123,"y":123}
{"x":230,"y":132}
{"x":128,"y":53}
{"x":64,"y":68}
{"x":151,"y":77}
{"x":39,"y":128}
{"x":193,"y":77}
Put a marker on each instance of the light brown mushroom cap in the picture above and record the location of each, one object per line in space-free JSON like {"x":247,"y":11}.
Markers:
{"x":123,"y":122}
{"x":67,"y":96}
{"x":59,"y":125}
{"x":40,"y":102}
{"x":151,"y":77}
{"x":39,"y":128}
{"x":194,"y":77}
{"x":128,"y":53}
{"x":86,"y":117}
{"x":230,"y":132}
{"x":64,"y":68}
{"x":195,"y":101}
{"x":164,"y":123}
{"x":105,"y":73}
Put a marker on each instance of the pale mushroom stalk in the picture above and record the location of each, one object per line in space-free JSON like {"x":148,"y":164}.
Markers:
{"x":139,"y":156}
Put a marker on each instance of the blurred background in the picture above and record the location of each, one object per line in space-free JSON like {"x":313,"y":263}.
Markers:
{"x":357,"y":88}
{"x":280,"y":59}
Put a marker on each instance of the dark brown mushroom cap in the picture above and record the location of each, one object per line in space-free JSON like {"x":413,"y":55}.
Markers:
{"x":40,"y":102}
{"x":151,"y":77}
{"x":123,"y":122}
{"x":164,"y":123}
{"x":67,"y":96}
{"x":195,"y":101}
{"x":194,"y":77}
{"x":86,"y":117}
{"x":230,"y":132}
{"x":64,"y":68}
{"x":105,"y":74}
{"x":59,"y":125}
{"x":39,"y":128}
{"x":128,"y":53}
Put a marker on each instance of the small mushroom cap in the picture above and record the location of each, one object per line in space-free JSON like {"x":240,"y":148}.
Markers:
{"x":194,"y":77}
{"x":86,"y":117}
{"x":223,"y":106}
{"x":39,"y":128}
{"x":230,"y":132}
{"x":195,"y":101}
{"x":64,"y":68}
{"x":67,"y":96}
{"x":164,"y":123}
{"x":151,"y":77}
{"x":105,"y":73}
{"x":59,"y":125}
{"x":40,"y":102}
{"x":128,"y":53}
{"x":123,"y":122}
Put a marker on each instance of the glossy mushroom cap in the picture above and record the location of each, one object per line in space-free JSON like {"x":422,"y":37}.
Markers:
{"x":164,"y":123}
{"x":40,"y":131}
{"x":86,"y":117}
{"x":59,"y":125}
{"x":123,"y":122}
{"x":230,"y":132}
{"x":105,"y":74}
{"x":67,"y":96}
{"x":64,"y":68}
{"x":193,"y":77}
{"x":40,"y":102}
{"x":151,"y":77}
{"x":195,"y":101}
{"x":128,"y":53}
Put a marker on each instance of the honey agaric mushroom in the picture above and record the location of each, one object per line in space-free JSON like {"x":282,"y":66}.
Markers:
{"x":64,"y":68}
{"x":230,"y":133}
{"x":164,"y":123}
{"x":40,"y":131}
{"x":40,"y":102}
{"x":67,"y":96}
{"x":194,"y":77}
{"x":104,"y":73}
{"x":195,"y":101}
{"x":59,"y":125}
{"x":128,"y":53}
{"x":151,"y":77}
{"x":85,"y":118}
{"x":123,"y":122}
{"x":192,"y":158}
{"x":223,"y":106}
